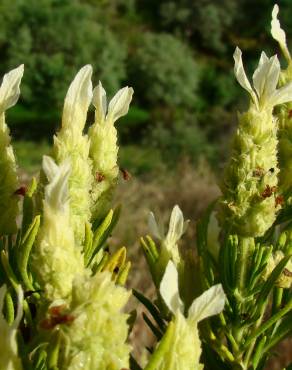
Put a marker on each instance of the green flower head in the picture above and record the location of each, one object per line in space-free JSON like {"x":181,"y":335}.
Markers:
{"x":250,"y":191}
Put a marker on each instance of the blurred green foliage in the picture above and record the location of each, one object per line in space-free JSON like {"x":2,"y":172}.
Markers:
{"x":177,"y":54}
{"x":167,"y":69}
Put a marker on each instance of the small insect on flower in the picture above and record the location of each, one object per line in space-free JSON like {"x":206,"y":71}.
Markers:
{"x":56,"y":318}
{"x":126,"y":174}
{"x":57,"y":310}
{"x":269,"y":190}
{"x":20,"y":191}
{"x":258,"y":172}
{"x":279,"y":201}
{"x":99,"y":177}
{"x":287,"y":272}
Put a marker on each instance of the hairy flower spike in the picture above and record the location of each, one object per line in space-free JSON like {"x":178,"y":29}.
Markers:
{"x":284,"y":111}
{"x":9,"y":359}
{"x":70,"y":143}
{"x":9,"y":93}
{"x":183,"y":349}
{"x":55,"y":259}
{"x":97,"y":336}
{"x":103,"y":146}
{"x":249,"y":204}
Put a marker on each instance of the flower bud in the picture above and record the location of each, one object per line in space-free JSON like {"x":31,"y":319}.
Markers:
{"x":169,"y":243}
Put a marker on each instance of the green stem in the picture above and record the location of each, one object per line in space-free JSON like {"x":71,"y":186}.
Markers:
{"x":242,"y":262}
{"x":9,"y":308}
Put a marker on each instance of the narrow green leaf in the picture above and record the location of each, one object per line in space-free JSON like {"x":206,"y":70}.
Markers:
{"x":258,"y":352}
{"x":161,"y":349}
{"x":202,"y":229}
{"x":53,"y":351}
{"x":153,"y":310}
{"x":99,"y":237}
{"x":131,"y":320}
{"x":272,"y":320}
{"x":284,"y":330}
{"x":28,"y":205}
{"x":9,"y":308}
{"x":158,"y":334}
{"x":87,"y":239}
{"x":134,"y":364}
{"x":25,"y":249}
{"x":123,"y":274}
{"x":9,"y":273}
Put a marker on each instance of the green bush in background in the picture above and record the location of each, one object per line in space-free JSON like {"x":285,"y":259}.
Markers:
{"x":182,"y":49}
{"x":167,"y":69}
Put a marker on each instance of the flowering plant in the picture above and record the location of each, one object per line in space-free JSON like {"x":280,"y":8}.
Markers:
{"x":63,"y":294}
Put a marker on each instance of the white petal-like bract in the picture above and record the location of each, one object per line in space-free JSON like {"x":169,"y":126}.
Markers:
{"x":119,"y":105}
{"x":169,"y":289}
{"x":56,"y":192}
{"x":153,"y":227}
{"x":10,"y":88}
{"x":241,"y":75}
{"x":278,"y":33}
{"x":99,"y":102}
{"x":78,"y":99}
{"x":207,"y":304}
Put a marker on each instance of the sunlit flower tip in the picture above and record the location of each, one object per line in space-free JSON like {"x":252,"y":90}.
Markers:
{"x":177,"y":226}
{"x":56,"y":192}
{"x":169,"y":289}
{"x":100,"y":102}
{"x":78,"y":99}
{"x":119,"y":105}
{"x":265,"y":80}
{"x":278,"y":33}
{"x":155,"y":229}
{"x":10,"y":88}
